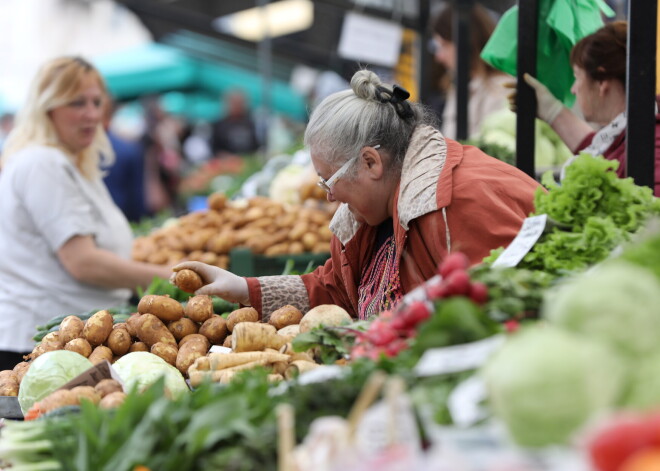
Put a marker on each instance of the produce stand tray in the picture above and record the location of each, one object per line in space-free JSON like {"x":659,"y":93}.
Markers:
{"x":9,"y":408}
{"x":243,"y":262}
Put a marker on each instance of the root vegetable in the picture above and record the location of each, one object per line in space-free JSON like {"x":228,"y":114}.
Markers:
{"x":274,"y":378}
{"x":227,"y":342}
{"x":108,"y":386}
{"x":152,"y":330}
{"x":190,"y":351}
{"x":214,"y":329}
{"x":119,"y":341}
{"x":133,"y":324}
{"x":120,"y":325}
{"x":86,"y":393}
{"x":199,"y":308}
{"x":298,"y":367}
{"x":113,"y":400}
{"x":138,"y":347}
{"x":57,"y":399}
{"x":9,"y":388}
{"x":20,"y":369}
{"x":253,"y":336}
{"x":97,"y":328}
{"x":99,"y":354}
{"x":182,"y":327}
{"x":163,"y":307}
{"x":201,"y":364}
{"x":188,"y":280}
{"x":220,"y":361}
{"x":284,"y":316}
{"x":289,"y":332}
{"x":190,"y":337}
{"x":324,"y":314}
{"x":166,"y":351}
{"x":80,"y":346}
{"x":71,"y":328}
{"x":8,"y":375}
{"x":246,"y":314}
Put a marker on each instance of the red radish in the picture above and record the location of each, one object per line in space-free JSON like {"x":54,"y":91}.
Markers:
{"x":458,"y":283}
{"x":396,"y":347}
{"x":380,"y":333}
{"x":436,"y":291}
{"x":416,"y":312}
{"x":478,"y":292}
{"x":454,"y":261}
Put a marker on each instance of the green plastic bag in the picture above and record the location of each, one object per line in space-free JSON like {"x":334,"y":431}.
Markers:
{"x":562,"y":23}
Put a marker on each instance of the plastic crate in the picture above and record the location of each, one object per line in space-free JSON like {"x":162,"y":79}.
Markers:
{"x":243,"y":262}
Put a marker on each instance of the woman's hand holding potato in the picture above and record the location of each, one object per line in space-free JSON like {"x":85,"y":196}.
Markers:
{"x":217,"y":282}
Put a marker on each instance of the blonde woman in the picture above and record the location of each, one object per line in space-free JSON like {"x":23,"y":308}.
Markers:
{"x":65,"y":246}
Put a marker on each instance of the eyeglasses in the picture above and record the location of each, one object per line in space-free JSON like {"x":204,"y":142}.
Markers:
{"x":330,"y":182}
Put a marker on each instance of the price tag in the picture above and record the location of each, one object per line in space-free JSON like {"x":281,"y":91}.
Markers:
{"x":438,"y":361}
{"x":220,"y":349}
{"x":530,"y":232}
{"x":464,"y":402}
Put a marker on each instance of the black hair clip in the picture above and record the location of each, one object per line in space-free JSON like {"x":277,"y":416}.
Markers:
{"x":396,"y":97}
{"x":399,"y":94}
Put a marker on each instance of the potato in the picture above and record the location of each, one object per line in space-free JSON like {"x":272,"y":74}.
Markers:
{"x":20,"y":369}
{"x":99,"y":354}
{"x":182,"y":327}
{"x":119,"y":341}
{"x":86,"y":393}
{"x":214,"y":329}
{"x":112,"y":400}
{"x":138,"y":347}
{"x":53,"y":341}
{"x":108,"y":386}
{"x":227,"y":342}
{"x":9,"y":388}
{"x":190,"y":337}
{"x":190,"y":351}
{"x":120,"y":325}
{"x":245,"y":314}
{"x":8,"y":375}
{"x":81,"y":346}
{"x":188,"y":280}
{"x":71,"y":328}
{"x":97,"y":328}
{"x":289,"y":332}
{"x":132,"y":324}
{"x":166,"y":351}
{"x":163,"y":307}
{"x":199,"y":308}
{"x":324,"y":314}
{"x":57,"y":399}
{"x":286,"y":315}
{"x":152,"y":330}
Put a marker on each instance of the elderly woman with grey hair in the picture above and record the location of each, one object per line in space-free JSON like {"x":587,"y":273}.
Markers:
{"x":408,"y":196}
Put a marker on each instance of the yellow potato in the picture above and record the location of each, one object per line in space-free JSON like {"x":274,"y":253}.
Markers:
{"x":97,"y":328}
{"x":163,"y":307}
{"x":284,"y":316}
{"x":199,"y":308}
{"x":245,"y":314}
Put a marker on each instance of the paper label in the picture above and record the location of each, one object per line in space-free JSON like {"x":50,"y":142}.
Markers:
{"x":530,"y":232}
{"x":369,"y":39}
{"x":93,"y":376}
{"x":464,"y":402}
{"x":457,"y":358}
{"x":220,"y":349}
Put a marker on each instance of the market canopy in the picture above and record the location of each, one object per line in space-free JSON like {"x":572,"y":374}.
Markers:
{"x":159,"y":69}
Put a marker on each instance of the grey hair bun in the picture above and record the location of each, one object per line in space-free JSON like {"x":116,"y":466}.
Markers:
{"x":365,"y":83}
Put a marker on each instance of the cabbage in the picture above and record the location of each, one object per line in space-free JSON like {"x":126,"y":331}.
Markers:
{"x":545,"y":383}
{"x":615,"y":302}
{"x":48,"y":373}
{"x":644,"y":385}
{"x":142,"y":369}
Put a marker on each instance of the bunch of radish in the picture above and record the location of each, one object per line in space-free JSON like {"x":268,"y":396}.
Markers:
{"x":389,"y":334}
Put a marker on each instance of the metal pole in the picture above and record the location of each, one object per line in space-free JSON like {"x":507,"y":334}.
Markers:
{"x":461,"y":41}
{"x":265,"y":51}
{"x":640,"y":85}
{"x":526,"y":98}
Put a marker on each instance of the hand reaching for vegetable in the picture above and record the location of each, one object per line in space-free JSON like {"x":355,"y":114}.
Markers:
{"x":547,"y":108}
{"x":217,"y":282}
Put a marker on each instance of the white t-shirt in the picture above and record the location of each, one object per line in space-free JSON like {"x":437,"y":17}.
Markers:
{"x":44,"y":201}
{"x":486,"y":95}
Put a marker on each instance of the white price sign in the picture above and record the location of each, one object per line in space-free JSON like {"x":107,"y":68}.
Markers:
{"x":530,"y":232}
{"x":468,"y":356}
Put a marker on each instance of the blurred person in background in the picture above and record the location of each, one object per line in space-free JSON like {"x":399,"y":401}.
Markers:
{"x":125,"y":178}
{"x":599,"y":64}
{"x":408,"y":198}
{"x":6,"y":125}
{"x":236,"y":132}
{"x":486,"y":91}
{"x":65,"y":246}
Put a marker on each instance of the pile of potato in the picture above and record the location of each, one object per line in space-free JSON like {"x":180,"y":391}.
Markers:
{"x":260,"y":224}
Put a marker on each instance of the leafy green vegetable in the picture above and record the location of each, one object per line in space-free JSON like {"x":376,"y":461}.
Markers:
{"x":47,"y":373}
{"x":545,"y":383}
{"x":615,"y":302}
{"x":329,"y":344}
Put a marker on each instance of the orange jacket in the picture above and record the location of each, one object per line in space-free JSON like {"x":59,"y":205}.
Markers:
{"x":451,"y":198}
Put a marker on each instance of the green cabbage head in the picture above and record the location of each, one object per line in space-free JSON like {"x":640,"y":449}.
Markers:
{"x":48,"y":373}
{"x":142,"y":369}
{"x":616,"y":302}
{"x":545,"y":383}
